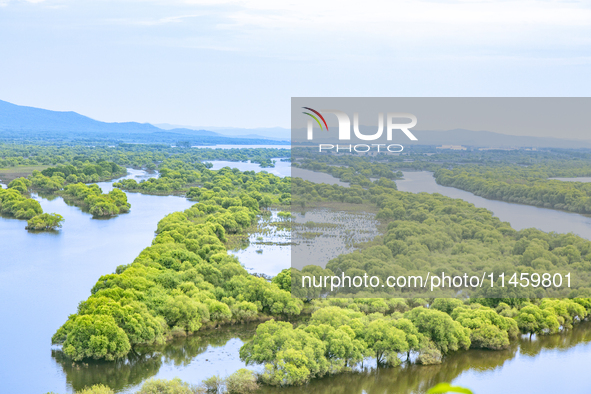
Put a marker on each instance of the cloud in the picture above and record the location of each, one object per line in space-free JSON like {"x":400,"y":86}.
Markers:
{"x":6,"y":2}
{"x":396,"y":30}
{"x":451,"y":25}
{"x":372,"y":28}
{"x":153,"y":21}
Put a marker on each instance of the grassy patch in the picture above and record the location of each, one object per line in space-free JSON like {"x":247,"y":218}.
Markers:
{"x":10,"y":173}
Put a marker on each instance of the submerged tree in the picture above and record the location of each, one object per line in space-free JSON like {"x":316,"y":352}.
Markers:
{"x":45,"y":221}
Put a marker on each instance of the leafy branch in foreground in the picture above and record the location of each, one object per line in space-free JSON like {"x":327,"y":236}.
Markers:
{"x":442,"y":388}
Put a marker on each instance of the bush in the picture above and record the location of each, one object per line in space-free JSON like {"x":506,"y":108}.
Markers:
{"x":162,"y":386}
{"x":97,"y":389}
{"x":45,"y":221}
{"x":94,"y":336}
{"x":429,"y":354}
{"x":241,"y":382}
{"x":214,"y":384}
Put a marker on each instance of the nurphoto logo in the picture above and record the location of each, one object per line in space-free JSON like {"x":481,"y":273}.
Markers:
{"x":344,"y":132}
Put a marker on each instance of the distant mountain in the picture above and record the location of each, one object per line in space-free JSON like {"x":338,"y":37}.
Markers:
{"x":489,"y":139}
{"x":21,"y":122}
{"x":466,"y":138}
{"x":20,"y":118}
{"x":273,"y":133}
{"x":18,"y":122}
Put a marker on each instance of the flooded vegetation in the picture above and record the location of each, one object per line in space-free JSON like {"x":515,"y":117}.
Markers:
{"x":320,"y":235}
{"x":545,"y":364}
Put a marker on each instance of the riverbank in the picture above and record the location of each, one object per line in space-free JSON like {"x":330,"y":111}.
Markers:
{"x":519,"y":216}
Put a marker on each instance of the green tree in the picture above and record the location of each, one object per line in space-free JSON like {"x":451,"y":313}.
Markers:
{"x":442,"y":388}
{"x":488,"y":329}
{"x":291,"y":356}
{"x":283,"y":279}
{"x":533,"y":320}
{"x":162,"y":386}
{"x":242,"y":381}
{"x":342,"y":349}
{"x":45,"y":221}
{"x":446,"y":334}
{"x":95,"y":336}
{"x":386,"y":341}
{"x":183,"y":312}
{"x":97,"y":389}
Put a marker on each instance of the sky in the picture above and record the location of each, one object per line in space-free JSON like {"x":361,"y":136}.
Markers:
{"x":238,"y":63}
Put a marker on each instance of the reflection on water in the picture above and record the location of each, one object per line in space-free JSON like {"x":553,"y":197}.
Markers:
{"x":550,"y":364}
{"x":267,"y":250}
{"x":320,"y":235}
{"x":191,"y":358}
{"x":518,"y":215}
{"x":547,"y":364}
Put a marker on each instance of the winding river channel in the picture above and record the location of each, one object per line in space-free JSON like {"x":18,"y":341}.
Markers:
{"x":43,"y":277}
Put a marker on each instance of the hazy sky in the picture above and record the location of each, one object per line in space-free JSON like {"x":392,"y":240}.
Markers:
{"x":238,"y":63}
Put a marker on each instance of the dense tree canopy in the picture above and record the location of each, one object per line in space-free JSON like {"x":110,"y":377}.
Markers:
{"x":186,"y":281}
{"x":16,"y":201}
{"x":85,"y":158}
{"x":183,"y":282}
{"x":98,"y":203}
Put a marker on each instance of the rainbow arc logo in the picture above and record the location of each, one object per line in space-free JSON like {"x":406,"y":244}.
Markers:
{"x":315,"y":118}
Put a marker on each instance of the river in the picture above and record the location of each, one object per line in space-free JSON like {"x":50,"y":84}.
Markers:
{"x":520,"y":216}
{"x":45,"y":275}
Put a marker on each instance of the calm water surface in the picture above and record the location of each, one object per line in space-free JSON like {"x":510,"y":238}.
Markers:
{"x":268,"y":250}
{"x":518,"y":215}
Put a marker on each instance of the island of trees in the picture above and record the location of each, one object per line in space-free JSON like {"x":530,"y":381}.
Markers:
{"x":45,"y":221}
{"x":16,"y":201}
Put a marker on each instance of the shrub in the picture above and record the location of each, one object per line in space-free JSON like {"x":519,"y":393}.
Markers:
{"x":242,"y":381}
{"x":97,"y":389}
{"x":45,"y":221}
{"x":163,"y":386}
{"x":429,"y":354}
{"x":214,"y":384}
